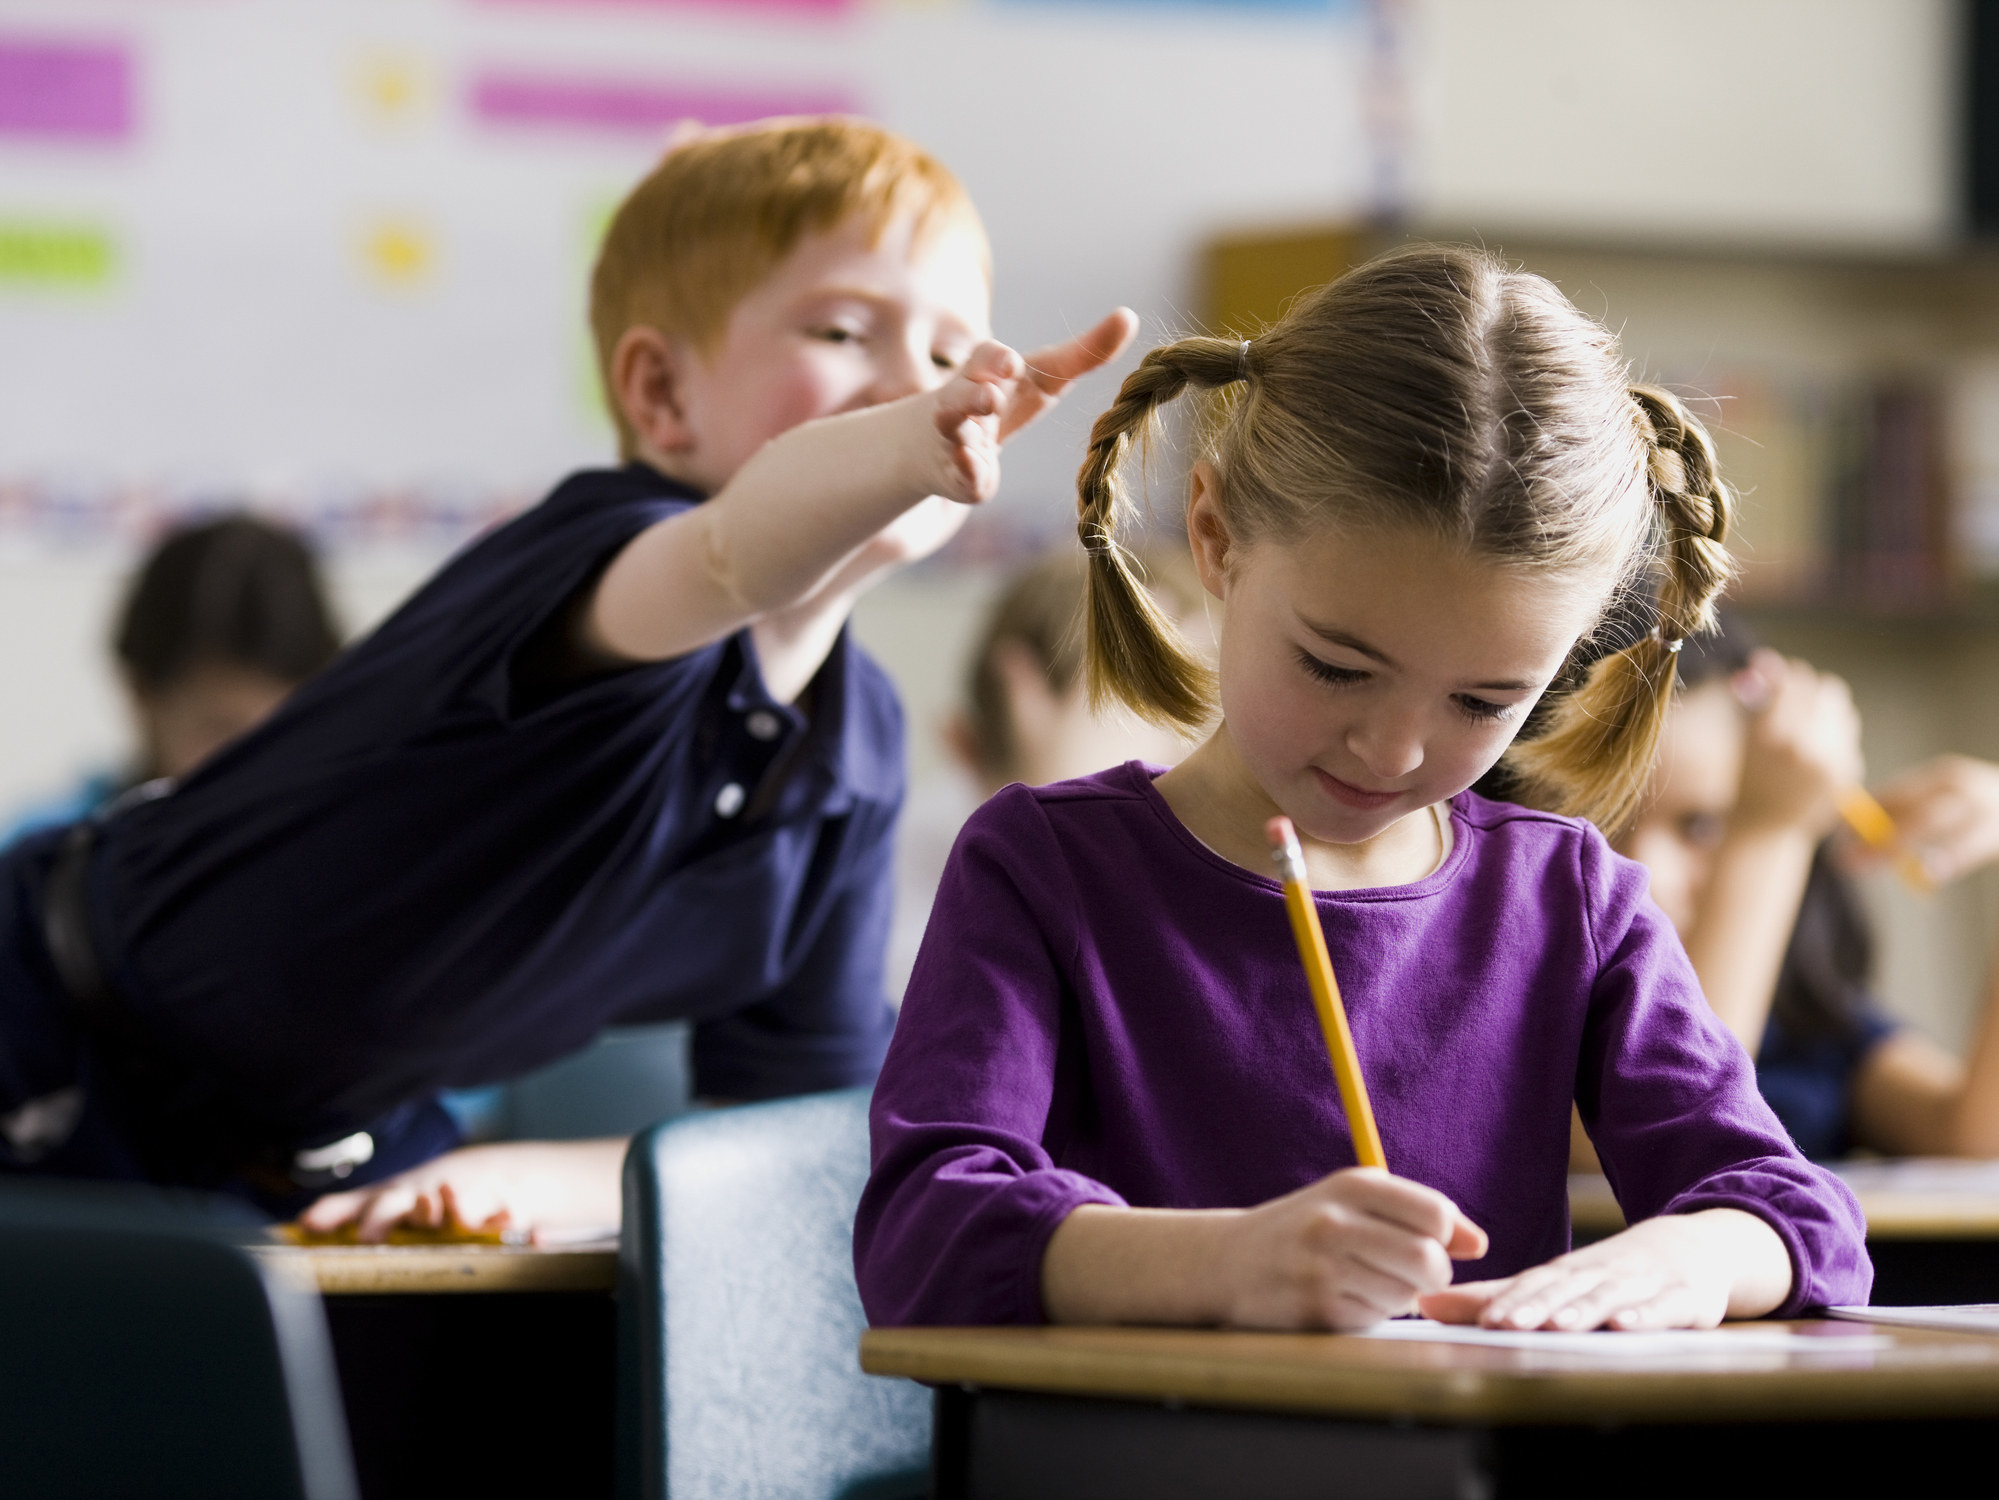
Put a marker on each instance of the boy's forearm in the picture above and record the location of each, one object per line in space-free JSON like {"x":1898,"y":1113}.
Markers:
{"x":789,"y":520}
{"x":1133,"y":1265}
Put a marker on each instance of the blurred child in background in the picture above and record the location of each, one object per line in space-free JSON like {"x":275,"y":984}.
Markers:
{"x":1026,"y":716}
{"x":223,"y":619}
{"x":1735,"y":835}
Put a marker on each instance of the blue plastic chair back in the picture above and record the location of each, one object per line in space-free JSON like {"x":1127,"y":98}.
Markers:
{"x":739,"y":1321}
{"x":144,"y":1351}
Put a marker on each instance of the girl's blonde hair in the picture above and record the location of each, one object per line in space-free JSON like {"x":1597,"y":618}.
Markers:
{"x":1434,"y":387}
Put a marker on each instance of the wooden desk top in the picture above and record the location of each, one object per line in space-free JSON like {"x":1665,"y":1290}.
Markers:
{"x":1904,"y":1200}
{"x":1913,"y":1374}
{"x":352,"y":1270}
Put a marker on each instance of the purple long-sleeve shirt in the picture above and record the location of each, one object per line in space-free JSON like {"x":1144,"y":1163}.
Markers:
{"x":1106,"y":1011}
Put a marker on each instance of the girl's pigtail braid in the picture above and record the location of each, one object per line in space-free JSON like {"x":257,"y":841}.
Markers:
{"x":1597,"y":754}
{"x":1132,"y":652}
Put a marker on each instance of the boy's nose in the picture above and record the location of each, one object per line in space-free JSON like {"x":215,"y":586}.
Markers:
{"x":903,"y":370}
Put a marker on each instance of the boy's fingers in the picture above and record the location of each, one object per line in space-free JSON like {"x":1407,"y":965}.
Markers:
{"x":992,"y":361}
{"x":383,"y":1211}
{"x":332,"y":1211}
{"x":1054,"y":367}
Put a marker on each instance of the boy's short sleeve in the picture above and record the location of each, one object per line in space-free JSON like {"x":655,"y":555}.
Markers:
{"x":452,"y":881}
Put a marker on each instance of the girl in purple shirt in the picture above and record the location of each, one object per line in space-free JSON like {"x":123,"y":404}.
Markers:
{"x":1107,"y":1100}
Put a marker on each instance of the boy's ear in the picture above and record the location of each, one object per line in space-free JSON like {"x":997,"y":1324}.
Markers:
{"x":1207,"y":528}
{"x":649,"y":381}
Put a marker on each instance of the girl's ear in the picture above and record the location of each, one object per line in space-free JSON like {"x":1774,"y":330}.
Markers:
{"x":1208,"y":528}
{"x":649,"y":379}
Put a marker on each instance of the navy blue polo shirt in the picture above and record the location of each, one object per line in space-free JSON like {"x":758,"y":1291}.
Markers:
{"x":433,"y":869}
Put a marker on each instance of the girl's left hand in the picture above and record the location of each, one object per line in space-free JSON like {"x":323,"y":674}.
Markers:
{"x":1674,"y":1271}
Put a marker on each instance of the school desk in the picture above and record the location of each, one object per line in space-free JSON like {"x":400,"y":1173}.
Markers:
{"x":472,"y":1370}
{"x":1049,"y":1413}
{"x":1932,"y":1225}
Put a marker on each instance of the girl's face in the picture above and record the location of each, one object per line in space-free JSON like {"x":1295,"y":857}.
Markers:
{"x":1367,"y":675}
{"x":1686,"y":808}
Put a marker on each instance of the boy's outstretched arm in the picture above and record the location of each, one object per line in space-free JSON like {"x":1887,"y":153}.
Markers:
{"x":821,"y":512}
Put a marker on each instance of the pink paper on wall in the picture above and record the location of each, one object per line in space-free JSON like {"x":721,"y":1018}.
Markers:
{"x":635,"y":106}
{"x":807,"y":7}
{"x":79,"y":91}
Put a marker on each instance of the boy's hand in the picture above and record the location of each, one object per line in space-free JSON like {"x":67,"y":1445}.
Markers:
{"x":1345,"y":1252}
{"x":996,"y":393}
{"x":533,"y":1186}
{"x":1051,"y":371}
{"x":1675,"y":1271}
{"x":967,"y":411}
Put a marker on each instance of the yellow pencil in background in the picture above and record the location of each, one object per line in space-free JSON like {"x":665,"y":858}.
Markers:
{"x":1876,"y":829}
{"x":1318,"y":963}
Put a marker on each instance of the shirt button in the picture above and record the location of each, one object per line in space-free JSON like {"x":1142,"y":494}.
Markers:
{"x":729,"y":801}
{"x":763,"y":725}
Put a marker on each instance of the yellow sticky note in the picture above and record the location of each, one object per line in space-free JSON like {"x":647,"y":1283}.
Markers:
{"x":397,"y":252}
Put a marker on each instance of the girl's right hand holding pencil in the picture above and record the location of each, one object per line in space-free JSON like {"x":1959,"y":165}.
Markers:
{"x":1349,"y":1250}
{"x":1344,"y":1252}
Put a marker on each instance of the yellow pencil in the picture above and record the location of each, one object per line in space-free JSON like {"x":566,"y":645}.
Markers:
{"x":1325,"y":991}
{"x":1871,"y":821}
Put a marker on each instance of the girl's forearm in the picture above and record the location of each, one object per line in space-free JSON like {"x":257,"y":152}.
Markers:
{"x":1135,"y":1265}
{"x":1744,"y":923}
{"x":776,"y":534}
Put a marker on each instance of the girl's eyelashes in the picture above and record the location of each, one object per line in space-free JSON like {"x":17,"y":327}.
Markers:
{"x":1327,"y":673}
{"x":834,"y":333}
{"x":1478,"y":710}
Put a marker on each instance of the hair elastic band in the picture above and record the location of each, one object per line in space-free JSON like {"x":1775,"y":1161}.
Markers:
{"x":1242,"y":360}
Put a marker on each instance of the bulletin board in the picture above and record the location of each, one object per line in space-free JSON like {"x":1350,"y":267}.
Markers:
{"x":328,"y":257}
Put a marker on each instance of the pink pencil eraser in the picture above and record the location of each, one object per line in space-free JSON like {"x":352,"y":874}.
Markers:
{"x":1280,"y":832}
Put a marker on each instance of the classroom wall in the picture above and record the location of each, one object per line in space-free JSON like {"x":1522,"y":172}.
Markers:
{"x":329,"y":255}
{"x":1800,"y":122}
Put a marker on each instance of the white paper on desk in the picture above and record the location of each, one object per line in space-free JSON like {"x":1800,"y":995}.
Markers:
{"x":1613,"y":1345}
{"x":1965,"y":1317}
